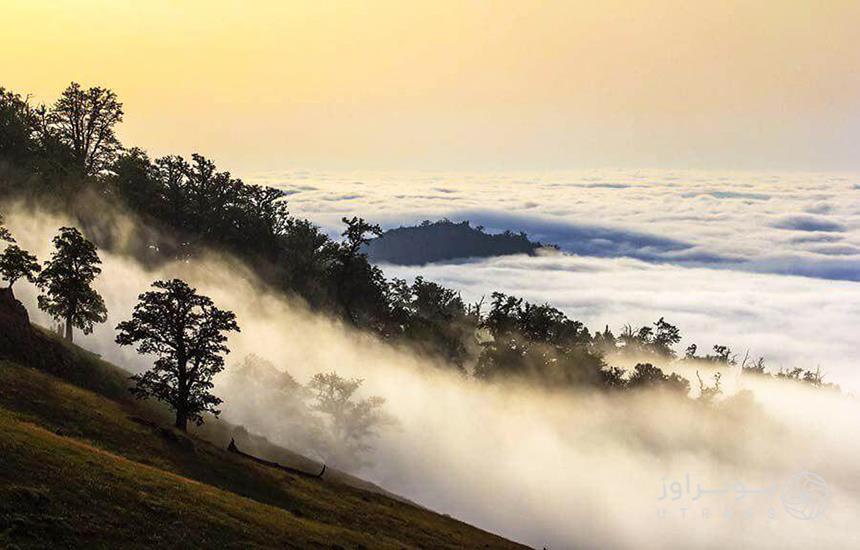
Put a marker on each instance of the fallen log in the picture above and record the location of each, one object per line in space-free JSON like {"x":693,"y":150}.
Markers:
{"x":234,"y":449}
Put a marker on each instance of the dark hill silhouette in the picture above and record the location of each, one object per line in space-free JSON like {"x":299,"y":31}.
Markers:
{"x":445,"y":240}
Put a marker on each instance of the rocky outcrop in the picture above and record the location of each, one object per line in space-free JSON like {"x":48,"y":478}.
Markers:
{"x":21,"y":343}
{"x":16,"y":334}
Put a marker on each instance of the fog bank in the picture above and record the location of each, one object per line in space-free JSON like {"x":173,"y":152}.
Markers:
{"x":561,"y":469}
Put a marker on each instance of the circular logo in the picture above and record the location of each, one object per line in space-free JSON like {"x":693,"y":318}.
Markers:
{"x":804,"y":495}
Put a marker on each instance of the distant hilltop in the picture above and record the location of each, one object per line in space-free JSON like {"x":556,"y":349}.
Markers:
{"x":445,"y":240}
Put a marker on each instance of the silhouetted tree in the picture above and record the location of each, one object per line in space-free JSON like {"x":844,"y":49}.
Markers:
{"x":16,"y":263}
{"x":84,"y":120}
{"x":187,"y":334}
{"x":656,"y":340}
{"x":191,"y":207}
{"x":5,"y":235}
{"x":814,"y":378}
{"x":604,"y":342}
{"x":18,"y":122}
{"x":358,"y":233}
{"x":355,"y":277}
{"x":66,"y":283}
{"x":504,"y":311}
{"x":613,"y":378}
{"x":707,"y":394}
{"x":170,"y":171}
{"x":432,"y":318}
{"x":690,"y":352}
{"x":756,"y":367}
{"x":134,"y":180}
{"x":202,"y":206}
{"x":261,"y":392}
{"x":722,"y":354}
{"x":306,"y":254}
{"x":265,"y":214}
{"x":665,"y":337}
{"x":538,"y":343}
{"x":646,"y":375}
{"x":352,"y":422}
{"x":535,"y":322}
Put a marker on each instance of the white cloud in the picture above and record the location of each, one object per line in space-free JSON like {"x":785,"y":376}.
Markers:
{"x":791,"y":321}
{"x":717,"y":242}
{"x":561,"y":469}
{"x":753,"y":221}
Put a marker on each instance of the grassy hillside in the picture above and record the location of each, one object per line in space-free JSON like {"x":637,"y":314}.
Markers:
{"x":82,"y":465}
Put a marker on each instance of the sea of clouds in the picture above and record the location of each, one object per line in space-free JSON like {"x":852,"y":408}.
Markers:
{"x":774,"y":469}
{"x":767,"y":263}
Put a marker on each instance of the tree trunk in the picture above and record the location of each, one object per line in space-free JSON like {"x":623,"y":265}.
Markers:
{"x":69,"y":329}
{"x":181,"y":420}
{"x":181,"y":401}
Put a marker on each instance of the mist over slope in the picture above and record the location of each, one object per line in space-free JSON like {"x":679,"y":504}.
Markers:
{"x":790,"y":321}
{"x":85,"y":465}
{"x":562,"y":469}
{"x":765,"y":262}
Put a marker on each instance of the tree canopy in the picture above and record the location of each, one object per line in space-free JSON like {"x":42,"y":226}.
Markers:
{"x":356,"y":279}
{"x":187,"y":334}
{"x":646,"y":375}
{"x":537,"y":342}
{"x":18,"y":124}
{"x":5,"y":235}
{"x":83,"y":120}
{"x":352,"y":421}
{"x":66,"y":283}
{"x":186,"y":206}
{"x":16,"y":263}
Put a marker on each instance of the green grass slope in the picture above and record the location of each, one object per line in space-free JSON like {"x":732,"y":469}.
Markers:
{"x":81,"y":465}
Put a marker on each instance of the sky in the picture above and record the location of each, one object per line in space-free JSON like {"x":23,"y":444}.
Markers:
{"x":452,"y":85}
{"x":693,"y":160}
{"x":506,"y":113}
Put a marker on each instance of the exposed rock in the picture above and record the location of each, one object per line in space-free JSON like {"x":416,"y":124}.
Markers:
{"x":21,"y":343}
{"x":16,"y":335}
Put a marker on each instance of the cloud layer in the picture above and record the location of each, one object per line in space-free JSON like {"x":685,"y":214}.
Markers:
{"x":791,"y":321}
{"x":561,"y":470}
{"x":761,"y":222}
{"x":718,"y":252}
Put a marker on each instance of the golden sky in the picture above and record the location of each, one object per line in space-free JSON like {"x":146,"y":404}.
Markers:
{"x":459,"y":84}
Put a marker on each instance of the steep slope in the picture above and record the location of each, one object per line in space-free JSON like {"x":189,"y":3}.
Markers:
{"x":81,"y":466}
